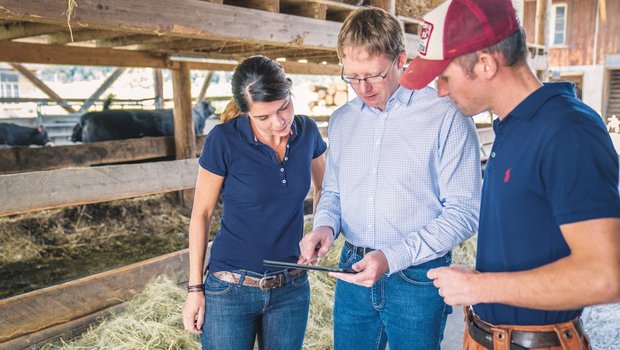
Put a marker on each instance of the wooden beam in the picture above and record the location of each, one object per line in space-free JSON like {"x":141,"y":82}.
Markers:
{"x":27,"y":192}
{"x":82,"y":56}
{"x":158,"y":86}
{"x":191,"y":19}
{"x":264,"y":5}
{"x":43,"y":87}
{"x":184,"y":134}
{"x":106,"y":84}
{"x":290,"y":67}
{"x":34,"y":312}
{"x":80,"y":35}
{"x":542,"y":17}
{"x":23,"y":159}
{"x":24,"y":30}
{"x":205,"y":87}
{"x":132,"y":39}
{"x":602,"y":5}
{"x":388,"y":5}
{"x":305,"y":9}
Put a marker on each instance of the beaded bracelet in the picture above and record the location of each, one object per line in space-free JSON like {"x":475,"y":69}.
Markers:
{"x":195,"y":288}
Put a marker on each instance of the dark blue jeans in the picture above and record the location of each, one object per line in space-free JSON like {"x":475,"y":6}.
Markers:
{"x":235,"y":315}
{"x":404,"y":310}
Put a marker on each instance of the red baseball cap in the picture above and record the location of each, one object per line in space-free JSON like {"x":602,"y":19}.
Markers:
{"x":454,"y":28}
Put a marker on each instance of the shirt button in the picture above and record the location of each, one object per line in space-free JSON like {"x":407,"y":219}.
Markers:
{"x":492,"y":154}
{"x":282,"y":169}
{"x":283,"y":181}
{"x":288,"y":146}
{"x":378,"y":142}
{"x":285,"y":158}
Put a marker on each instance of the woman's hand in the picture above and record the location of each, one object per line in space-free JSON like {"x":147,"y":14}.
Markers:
{"x":194,"y":312}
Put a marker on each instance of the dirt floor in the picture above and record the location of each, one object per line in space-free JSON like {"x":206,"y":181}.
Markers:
{"x":54,"y":246}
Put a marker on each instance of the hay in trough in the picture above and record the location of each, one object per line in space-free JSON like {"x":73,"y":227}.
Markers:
{"x":152,"y":320}
{"x":53,"y":246}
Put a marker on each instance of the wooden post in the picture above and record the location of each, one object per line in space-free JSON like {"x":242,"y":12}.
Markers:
{"x":184,"y":135}
{"x":543,"y":28}
{"x":388,"y":5}
{"x":158,"y":84}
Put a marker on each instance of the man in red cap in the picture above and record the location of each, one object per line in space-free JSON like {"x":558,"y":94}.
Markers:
{"x":549,"y":234}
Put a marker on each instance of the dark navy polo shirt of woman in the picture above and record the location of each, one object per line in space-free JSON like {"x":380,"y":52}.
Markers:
{"x":263,"y":197}
{"x":261,"y":160}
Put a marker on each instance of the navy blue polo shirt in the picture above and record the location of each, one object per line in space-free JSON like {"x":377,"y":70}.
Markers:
{"x":263,"y":199}
{"x":552,"y":163}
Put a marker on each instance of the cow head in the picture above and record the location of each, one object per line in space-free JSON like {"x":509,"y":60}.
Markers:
{"x":201,"y":111}
{"x":39,"y":136}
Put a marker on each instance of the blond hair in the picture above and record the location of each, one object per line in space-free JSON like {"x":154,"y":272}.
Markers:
{"x":373,"y":29}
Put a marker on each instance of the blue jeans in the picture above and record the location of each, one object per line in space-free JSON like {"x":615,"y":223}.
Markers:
{"x":235,"y":315}
{"x":404,"y":310}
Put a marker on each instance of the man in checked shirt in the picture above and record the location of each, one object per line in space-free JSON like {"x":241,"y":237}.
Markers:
{"x":402,"y":184}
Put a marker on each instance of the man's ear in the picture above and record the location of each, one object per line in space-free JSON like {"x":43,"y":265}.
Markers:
{"x":401,"y":59}
{"x":488,"y":65}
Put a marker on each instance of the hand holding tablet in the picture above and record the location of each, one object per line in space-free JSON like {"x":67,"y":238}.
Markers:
{"x":284,"y":264}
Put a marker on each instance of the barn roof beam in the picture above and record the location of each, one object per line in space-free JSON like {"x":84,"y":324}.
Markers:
{"x":23,"y":30}
{"x":201,"y":20}
{"x":80,"y":56}
{"x":80,"y":36}
{"x":128,"y":40}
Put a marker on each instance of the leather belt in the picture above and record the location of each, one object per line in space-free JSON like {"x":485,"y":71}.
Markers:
{"x":359,"y":251}
{"x":482,"y":333}
{"x":264,"y":283}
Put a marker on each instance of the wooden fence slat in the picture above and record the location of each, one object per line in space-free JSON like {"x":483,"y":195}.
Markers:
{"x":75,"y":186}
{"x":21,"y":159}
{"x":34,"y":312}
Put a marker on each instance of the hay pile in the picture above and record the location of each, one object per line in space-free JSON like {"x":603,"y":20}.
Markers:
{"x":153,"y":319}
{"x":53,"y":246}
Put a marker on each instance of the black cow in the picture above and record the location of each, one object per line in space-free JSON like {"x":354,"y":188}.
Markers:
{"x":129,"y":124}
{"x":17,"y":135}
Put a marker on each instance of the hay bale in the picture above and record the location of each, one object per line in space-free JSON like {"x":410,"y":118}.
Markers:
{"x":153,"y":320}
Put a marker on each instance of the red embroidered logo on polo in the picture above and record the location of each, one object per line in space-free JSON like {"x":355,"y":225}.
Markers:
{"x":507,"y":175}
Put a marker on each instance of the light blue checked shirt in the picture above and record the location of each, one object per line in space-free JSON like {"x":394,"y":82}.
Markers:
{"x":405,"y":180}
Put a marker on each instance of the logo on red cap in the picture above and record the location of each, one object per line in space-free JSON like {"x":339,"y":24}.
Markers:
{"x":425,"y":35}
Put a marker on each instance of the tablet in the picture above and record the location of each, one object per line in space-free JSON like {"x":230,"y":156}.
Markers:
{"x":285,"y":264}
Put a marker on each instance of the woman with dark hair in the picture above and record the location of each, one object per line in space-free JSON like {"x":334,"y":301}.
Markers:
{"x":262,"y":158}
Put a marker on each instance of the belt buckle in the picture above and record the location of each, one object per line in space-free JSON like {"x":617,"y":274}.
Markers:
{"x":262,"y":282}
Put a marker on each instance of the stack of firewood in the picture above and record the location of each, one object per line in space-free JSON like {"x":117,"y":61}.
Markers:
{"x":328,"y":97}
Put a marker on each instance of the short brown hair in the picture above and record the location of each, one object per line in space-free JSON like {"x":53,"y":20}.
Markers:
{"x":374,"y":29}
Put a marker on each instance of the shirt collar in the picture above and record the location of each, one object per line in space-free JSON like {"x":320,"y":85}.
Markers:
{"x":401,"y":96}
{"x":528,"y":108}
{"x":245,"y":130}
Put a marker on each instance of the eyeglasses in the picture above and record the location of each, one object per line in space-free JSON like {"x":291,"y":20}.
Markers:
{"x":375,"y":79}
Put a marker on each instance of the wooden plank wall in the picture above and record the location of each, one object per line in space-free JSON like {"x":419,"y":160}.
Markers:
{"x":42,"y":316}
{"x":22,"y":159}
{"x":580,"y":31}
{"x":25,"y":192}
